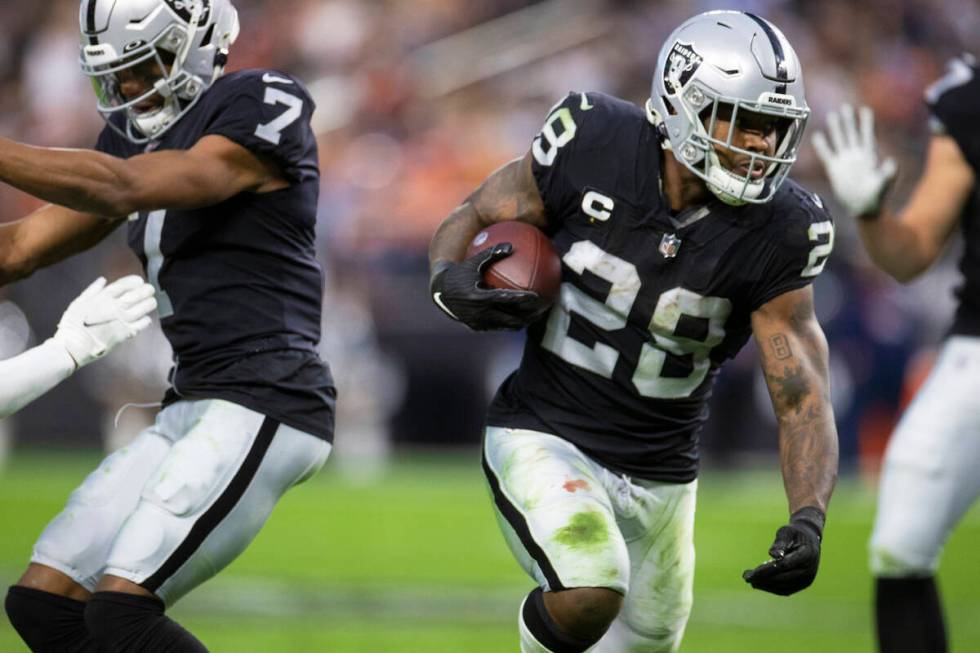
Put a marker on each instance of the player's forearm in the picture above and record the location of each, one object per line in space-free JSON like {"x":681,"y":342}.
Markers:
{"x":796,"y":367}
{"x":46,"y":236}
{"x":808,"y":453}
{"x":83,"y":180}
{"x":454,"y":235}
{"x":11,"y":266}
{"x":26,"y":377}
{"x":894,"y":247}
{"x":510,"y":193}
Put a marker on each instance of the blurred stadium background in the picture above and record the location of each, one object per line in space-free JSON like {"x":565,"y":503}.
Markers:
{"x":393,"y":547}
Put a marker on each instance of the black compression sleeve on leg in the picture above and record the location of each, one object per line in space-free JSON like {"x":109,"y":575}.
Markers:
{"x":909,"y":614}
{"x":544,"y":628}
{"x":127,"y":623}
{"x":49,"y":623}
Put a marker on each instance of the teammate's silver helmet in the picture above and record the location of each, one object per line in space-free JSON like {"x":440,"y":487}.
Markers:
{"x":189,"y":40}
{"x":734,"y":62}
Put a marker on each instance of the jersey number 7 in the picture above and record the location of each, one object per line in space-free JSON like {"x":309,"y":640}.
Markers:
{"x":272,"y":131}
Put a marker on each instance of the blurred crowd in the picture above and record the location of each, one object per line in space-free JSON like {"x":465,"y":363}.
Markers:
{"x":417,"y":102}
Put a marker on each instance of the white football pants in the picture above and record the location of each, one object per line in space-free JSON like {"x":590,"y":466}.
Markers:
{"x":572,"y":523}
{"x":931,"y":472}
{"x":183,"y":500}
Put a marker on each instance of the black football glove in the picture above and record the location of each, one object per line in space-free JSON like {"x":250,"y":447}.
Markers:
{"x":458,"y":290}
{"x":795,"y":555}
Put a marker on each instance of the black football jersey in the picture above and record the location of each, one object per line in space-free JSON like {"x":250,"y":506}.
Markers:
{"x":954,"y":102}
{"x":651,"y":303}
{"x":238,"y":284}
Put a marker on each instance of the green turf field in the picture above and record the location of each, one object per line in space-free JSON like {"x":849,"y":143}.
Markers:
{"x":413,"y":563}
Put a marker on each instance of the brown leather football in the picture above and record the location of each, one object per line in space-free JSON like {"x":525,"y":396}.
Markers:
{"x":533,"y":265}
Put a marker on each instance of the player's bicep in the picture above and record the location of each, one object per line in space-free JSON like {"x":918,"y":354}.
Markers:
{"x":938,"y":198}
{"x":510,"y":193}
{"x":213,"y":170}
{"x":793,"y":350}
{"x":46,"y":236}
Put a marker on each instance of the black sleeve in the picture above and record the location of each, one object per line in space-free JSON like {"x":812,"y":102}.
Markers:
{"x":269,"y":113}
{"x":793,"y":250}
{"x":954,"y":103}
{"x":570,"y":146}
{"x":112,"y":142}
{"x":103,"y":143}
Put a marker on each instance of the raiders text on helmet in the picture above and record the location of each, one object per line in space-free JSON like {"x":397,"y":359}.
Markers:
{"x":188,"y":39}
{"x":714,"y":67}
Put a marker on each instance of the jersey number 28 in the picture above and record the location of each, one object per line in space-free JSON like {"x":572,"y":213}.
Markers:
{"x":611,"y":314}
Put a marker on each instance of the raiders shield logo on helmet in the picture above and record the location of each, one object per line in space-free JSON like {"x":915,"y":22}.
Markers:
{"x":682,"y":61}
{"x":184,"y":9}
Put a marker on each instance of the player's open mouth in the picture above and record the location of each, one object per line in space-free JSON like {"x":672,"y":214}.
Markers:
{"x":757,"y":170}
{"x":147,"y":106}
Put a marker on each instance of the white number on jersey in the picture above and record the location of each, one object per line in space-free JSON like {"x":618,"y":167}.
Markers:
{"x":608,"y":316}
{"x":611,"y":315}
{"x":551,"y":138}
{"x":671,"y":307}
{"x":154,"y":259}
{"x":272,"y":131}
{"x":958,"y":73}
{"x":821,"y":251}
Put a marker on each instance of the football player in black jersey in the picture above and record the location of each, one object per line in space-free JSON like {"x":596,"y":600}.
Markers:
{"x":216,"y":179}
{"x":680,"y":236}
{"x":930,"y":478}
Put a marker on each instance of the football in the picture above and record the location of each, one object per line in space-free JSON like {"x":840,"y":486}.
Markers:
{"x":533,"y":265}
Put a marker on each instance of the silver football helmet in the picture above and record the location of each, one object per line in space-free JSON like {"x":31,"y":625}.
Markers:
{"x":188,"y":39}
{"x":716,"y":67}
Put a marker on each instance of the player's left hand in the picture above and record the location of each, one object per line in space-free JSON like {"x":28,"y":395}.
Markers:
{"x":859,"y":179}
{"x":795,"y":555}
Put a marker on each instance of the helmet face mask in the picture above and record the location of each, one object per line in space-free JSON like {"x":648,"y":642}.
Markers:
{"x":159,"y":51}
{"x":717,"y":71}
{"x":166,"y":85}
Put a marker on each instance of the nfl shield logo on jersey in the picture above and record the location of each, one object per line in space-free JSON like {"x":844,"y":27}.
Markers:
{"x":669,"y":245}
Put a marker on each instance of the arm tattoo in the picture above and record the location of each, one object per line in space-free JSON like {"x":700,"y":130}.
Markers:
{"x":791,"y":389}
{"x":780,"y":346}
{"x":808,"y":453}
{"x":795,"y":364}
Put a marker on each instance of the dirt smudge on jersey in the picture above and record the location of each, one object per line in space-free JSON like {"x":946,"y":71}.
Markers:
{"x":578,"y":484}
{"x":585,"y":530}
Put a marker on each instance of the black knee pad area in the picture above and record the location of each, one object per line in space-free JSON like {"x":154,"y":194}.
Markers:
{"x":48,"y":623}
{"x":117,"y":617}
{"x":546,"y":631}
{"x":127,"y":623}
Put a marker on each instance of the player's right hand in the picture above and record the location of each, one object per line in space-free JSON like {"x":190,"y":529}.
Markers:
{"x":458,"y":290}
{"x":858,"y":178}
{"x":104,"y":316}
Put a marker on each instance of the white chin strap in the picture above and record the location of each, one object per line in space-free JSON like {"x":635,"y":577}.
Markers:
{"x":730,"y":188}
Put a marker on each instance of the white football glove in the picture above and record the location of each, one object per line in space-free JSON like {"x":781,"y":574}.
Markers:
{"x":104,"y":316}
{"x":858,"y":178}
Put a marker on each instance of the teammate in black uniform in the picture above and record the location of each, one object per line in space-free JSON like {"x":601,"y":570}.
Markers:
{"x":216,"y":179}
{"x":679,"y":237}
{"x":930,"y":472}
